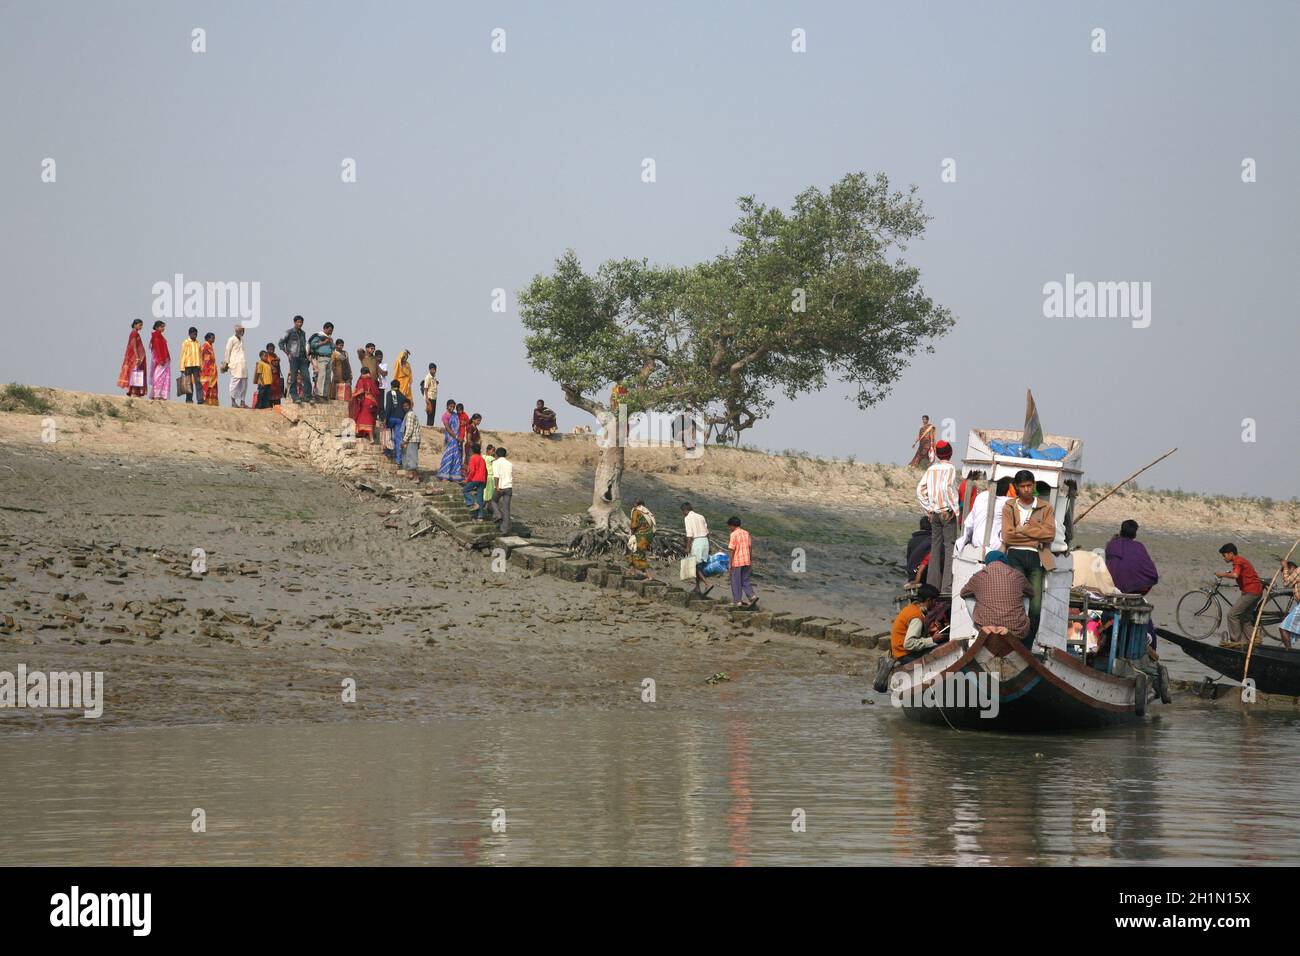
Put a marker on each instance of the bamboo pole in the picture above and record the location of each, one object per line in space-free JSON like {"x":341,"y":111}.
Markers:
{"x":1122,"y":484}
{"x":1259,"y":611}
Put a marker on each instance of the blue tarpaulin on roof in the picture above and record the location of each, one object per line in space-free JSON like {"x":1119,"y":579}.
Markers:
{"x":1015,"y":449}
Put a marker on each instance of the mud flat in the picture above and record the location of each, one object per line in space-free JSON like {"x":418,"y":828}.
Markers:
{"x":309,"y":583}
{"x":304,"y":587}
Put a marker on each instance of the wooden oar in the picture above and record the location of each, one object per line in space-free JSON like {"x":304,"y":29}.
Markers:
{"x":1122,"y":484}
{"x":1245,"y":670}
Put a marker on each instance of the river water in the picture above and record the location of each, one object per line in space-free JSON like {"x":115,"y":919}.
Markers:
{"x":728,"y":785}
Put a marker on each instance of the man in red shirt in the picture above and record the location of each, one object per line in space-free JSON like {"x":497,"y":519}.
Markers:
{"x":1248,"y":581}
{"x":475,"y":482}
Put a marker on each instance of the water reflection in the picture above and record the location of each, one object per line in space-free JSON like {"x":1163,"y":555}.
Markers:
{"x":1195,"y":785}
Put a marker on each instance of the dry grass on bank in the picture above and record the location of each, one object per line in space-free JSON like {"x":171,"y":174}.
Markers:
{"x":119,"y":425}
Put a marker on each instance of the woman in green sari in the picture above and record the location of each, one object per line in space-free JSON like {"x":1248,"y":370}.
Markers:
{"x":489,"y":456}
{"x":643,"y":531}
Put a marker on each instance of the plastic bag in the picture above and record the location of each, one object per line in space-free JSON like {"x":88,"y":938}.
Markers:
{"x":716,"y":565}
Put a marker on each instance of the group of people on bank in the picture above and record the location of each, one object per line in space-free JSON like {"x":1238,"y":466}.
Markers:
{"x":313,"y":368}
{"x":317,"y":367}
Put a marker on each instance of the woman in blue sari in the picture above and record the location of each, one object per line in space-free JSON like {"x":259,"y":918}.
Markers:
{"x":452,"y":465}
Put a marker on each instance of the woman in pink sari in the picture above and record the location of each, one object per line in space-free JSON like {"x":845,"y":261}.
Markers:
{"x":162,"y":362}
{"x":131,"y":377}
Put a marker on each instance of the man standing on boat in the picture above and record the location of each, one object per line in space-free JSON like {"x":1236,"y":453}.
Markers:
{"x":937,"y":492}
{"x":1028,"y":530}
{"x":1252,"y":590}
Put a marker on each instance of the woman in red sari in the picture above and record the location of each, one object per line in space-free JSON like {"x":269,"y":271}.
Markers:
{"x":208,"y":369}
{"x":365,"y":403}
{"x":131,"y":377}
{"x":162,"y":363}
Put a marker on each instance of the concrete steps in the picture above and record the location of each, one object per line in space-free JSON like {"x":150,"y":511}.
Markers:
{"x":444,"y":505}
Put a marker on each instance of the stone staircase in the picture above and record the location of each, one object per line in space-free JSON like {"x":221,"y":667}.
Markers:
{"x":442,"y":505}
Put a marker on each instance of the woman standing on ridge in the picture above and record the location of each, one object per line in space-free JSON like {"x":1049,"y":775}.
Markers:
{"x":131,"y":377}
{"x":208,"y":368}
{"x":924,"y":445}
{"x":162,"y":362}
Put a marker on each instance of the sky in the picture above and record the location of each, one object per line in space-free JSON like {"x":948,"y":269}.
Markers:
{"x":476,"y":169}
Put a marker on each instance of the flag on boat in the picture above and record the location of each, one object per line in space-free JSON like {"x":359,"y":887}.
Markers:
{"x":1033,"y":436}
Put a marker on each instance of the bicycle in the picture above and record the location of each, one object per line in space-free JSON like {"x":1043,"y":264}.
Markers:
{"x":1200,"y":613}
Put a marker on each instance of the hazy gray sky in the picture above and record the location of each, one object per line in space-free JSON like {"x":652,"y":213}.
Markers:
{"x":476,"y":169}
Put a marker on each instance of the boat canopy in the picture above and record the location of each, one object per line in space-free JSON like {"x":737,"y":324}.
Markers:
{"x":982,"y":456}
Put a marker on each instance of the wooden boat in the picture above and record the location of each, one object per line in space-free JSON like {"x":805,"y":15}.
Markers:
{"x":984,"y":680}
{"x":1041,"y":691}
{"x":1275,"y":670}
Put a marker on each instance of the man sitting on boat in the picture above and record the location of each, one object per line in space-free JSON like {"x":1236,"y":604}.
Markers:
{"x":1028,"y":530}
{"x":999,"y":591}
{"x":1128,"y":562}
{"x":908,"y":639}
{"x":1131,"y":567}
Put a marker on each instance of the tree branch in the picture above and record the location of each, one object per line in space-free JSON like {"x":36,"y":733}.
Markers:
{"x":573,"y":395}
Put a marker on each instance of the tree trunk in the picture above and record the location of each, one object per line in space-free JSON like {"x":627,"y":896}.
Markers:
{"x":606,"y":509}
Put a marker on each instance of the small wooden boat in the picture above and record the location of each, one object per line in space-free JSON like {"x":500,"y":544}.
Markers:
{"x":1274,"y":670}
{"x":985,"y":680}
{"x":994,"y":683}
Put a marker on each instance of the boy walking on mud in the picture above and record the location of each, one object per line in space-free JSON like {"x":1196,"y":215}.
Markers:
{"x":740,"y":550}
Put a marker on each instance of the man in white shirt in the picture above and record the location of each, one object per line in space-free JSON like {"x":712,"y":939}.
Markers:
{"x":937,"y":492}
{"x":503,"y":470}
{"x":697,"y":540}
{"x":234,"y":363}
{"x":973,"y":530}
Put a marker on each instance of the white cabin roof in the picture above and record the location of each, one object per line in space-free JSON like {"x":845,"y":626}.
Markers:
{"x":980,"y":457}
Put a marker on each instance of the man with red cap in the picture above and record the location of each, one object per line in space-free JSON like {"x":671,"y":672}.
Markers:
{"x":937,"y":492}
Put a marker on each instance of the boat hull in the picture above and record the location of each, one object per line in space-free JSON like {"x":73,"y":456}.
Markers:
{"x":1020,"y":692}
{"x":1274,"y":670}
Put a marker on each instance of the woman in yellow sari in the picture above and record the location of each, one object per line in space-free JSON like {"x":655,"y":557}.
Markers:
{"x":403,"y":376}
{"x":643,"y":533}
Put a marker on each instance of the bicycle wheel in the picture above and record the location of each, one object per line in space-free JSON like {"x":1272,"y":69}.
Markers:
{"x":1274,"y":614}
{"x":1199,"y":614}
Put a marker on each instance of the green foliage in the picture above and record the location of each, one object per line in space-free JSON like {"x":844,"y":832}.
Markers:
{"x":588,"y":331}
{"x":807,"y":295}
{"x":812,"y":293}
{"x":25,"y":399}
